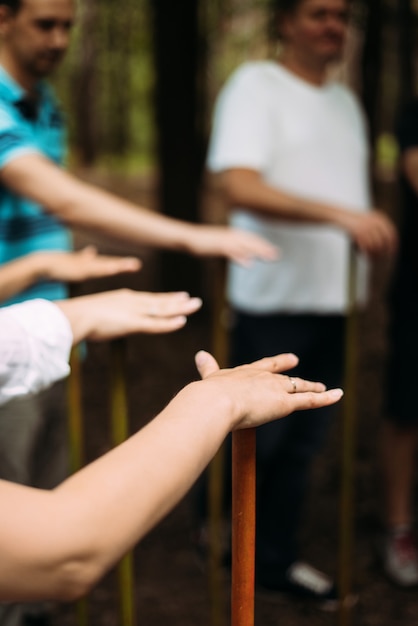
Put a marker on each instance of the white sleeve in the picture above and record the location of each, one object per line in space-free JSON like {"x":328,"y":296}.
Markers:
{"x":35,"y":345}
{"x":241,"y":133}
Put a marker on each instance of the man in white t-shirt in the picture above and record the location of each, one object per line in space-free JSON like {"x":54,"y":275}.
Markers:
{"x":290,"y":148}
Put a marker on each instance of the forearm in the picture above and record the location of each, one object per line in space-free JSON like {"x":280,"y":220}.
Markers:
{"x":371,"y":231}
{"x":149,"y":473}
{"x":99,"y":211}
{"x":18,"y":275}
{"x":82,"y":205}
{"x":244,"y":188}
{"x":79,"y":530}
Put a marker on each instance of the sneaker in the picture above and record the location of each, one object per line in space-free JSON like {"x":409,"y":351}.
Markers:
{"x":400,"y":557}
{"x":303,"y":581}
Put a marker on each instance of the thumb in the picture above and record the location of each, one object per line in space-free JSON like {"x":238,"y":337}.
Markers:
{"x":206,"y":364}
{"x":89,"y":250}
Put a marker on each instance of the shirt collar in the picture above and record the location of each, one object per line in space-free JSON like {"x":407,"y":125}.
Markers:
{"x":11,"y":90}
{"x":15,"y":94}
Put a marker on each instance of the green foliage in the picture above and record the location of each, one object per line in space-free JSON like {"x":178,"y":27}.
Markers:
{"x":106,"y":82}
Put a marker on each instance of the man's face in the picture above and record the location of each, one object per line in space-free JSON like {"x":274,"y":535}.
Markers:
{"x":37,"y":36}
{"x":317,"y":28}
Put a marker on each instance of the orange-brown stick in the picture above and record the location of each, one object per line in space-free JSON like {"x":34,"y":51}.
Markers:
{"x":243,"y":527}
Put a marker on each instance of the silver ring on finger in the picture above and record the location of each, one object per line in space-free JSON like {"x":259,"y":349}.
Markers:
{"x":293,"y":382}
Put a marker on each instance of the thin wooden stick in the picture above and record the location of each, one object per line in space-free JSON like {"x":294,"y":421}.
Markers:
{"x":76,"y":439}
{"x":348,"y":450}
{"x":243,"y":527}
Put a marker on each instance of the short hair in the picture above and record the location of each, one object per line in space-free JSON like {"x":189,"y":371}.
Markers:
{"x":14,"y":5}
{"x":284,"y":7}
{"x":280,"y":9}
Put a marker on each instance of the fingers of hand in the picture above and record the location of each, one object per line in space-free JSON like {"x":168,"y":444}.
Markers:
{"x":88,"y":251}
{"x":163,"y":324}
{"x":315,"y":399}
{"x":278,"y":363}
{"x":206,"y":364}
{"x":377,"y":235}
{"x":116,"y":265}
{"x":300,"y":385}
{"x":294,"y":384}
{"x":93,"y":265}
{"x":248,"y":246}
{"x":167,"y":305}
{"x":130,"y":264}
{"x":259,"y":250}
{"x":146,"y":325}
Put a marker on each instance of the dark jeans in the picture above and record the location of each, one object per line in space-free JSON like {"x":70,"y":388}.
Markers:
{"x":285,"y":448}
{"x":402,"y":367}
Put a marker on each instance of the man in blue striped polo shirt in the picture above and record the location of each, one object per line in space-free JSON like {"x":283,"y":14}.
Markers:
{"x":25,"y":227}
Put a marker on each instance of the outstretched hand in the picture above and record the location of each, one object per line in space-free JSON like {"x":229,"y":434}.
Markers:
{"x":113,"y":314}
{"x":258,"y":393}
{"x":84,"y":264}
{"x":234,"y":244}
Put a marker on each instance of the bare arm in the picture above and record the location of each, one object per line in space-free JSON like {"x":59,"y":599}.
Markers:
{"x":79,"y":530}
{"x":18,"y":275}
{"x":85,"y":206}
{"x":372,"y":232}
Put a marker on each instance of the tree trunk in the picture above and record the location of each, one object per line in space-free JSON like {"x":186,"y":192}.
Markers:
{"x":407,"y":29}
{"x":179,"y":140}
{"x":372,"y":64}
{"x":120,"y":96}
{"x":85,"y":85}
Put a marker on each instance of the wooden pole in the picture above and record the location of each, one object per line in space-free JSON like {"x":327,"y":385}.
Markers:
{"x":243,"y":527}
{"x":348,"y":450}
{"x":76,"y":439}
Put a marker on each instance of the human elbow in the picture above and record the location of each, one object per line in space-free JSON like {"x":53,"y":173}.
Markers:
{"x":75,"y":580}
{"x":234,"y":187}
{"x":231,"y":192}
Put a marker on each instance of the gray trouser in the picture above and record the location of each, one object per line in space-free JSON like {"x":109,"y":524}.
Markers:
{"x":33,"y":451}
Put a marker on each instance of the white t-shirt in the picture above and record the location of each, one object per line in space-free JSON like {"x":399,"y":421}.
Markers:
{"x":35,"y":344}
{"x":307,"y":141}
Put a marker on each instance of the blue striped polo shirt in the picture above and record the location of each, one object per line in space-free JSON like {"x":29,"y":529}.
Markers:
{"x":24,"y":226}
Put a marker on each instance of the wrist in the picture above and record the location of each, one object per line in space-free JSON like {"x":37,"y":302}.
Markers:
{"x":212,"y":401}
{"x":186,"y":237}
{"x":40,"y":264}
{"x":344,"y":219}
{"x":79,"y":316}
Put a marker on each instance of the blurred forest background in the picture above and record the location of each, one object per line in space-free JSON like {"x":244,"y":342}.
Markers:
{"x":141,"y":78}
